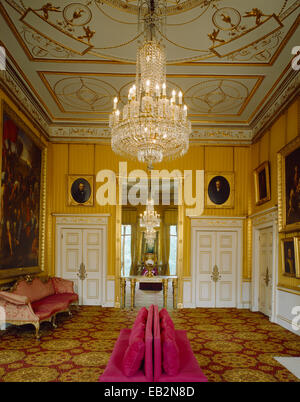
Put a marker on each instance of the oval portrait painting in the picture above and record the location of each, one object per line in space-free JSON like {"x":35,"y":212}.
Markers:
{"x":81,"y":190}
{"x":219,"y":190}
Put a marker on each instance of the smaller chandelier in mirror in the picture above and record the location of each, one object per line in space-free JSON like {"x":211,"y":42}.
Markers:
{"x":150,"y":220}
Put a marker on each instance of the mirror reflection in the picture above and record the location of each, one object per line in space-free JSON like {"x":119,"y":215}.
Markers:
{"x":139,"y":255}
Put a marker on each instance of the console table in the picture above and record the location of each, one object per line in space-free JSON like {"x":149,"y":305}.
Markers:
{"x":133,"y":279}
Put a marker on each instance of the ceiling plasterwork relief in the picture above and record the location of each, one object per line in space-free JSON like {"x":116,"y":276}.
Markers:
{"x":208,"y":30}
{"x":204,"y":95}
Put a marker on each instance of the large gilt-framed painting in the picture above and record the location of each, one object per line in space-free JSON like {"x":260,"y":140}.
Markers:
{"x":262,"y":183}
{"x":289,"y":187}
{"x":219,"y":190}
{"x":22,"y":197}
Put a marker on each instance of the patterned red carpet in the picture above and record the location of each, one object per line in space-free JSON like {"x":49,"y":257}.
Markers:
{"x":231,"y":345}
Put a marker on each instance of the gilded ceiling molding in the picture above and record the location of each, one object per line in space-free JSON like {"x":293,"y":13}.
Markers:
{"x":211,"y":135}
{"x":276,"y":103}
{"x":14,"y":87}
{"x":222,"y":135}
{"x":57,"y":132}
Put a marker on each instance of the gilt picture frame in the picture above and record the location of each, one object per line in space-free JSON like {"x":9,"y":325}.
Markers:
{"x":288,"y":257}
{"x":288,"y":162}
{"x":297,"y":255}
{"x":23,"y":197}
{"x":219,"y":190}
{"x":262,"y":183}
{"x":80,"y":190}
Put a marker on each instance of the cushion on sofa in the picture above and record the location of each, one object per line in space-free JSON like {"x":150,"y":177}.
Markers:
{"x":62,"y":285}
{"x":157,"y":352}
{"x":166,"y":322}
{"x":113,"y":371}
{"x":170,"y":351}
{"x":35,"y":290}
{"x":141,"y":317}
{"x":164,"y":317}
{"x":190,"y":370}
{"x":137,"y":332}
{"x":135,"y":352}
{"x":133,"y":357}
{"x":148,"y":361}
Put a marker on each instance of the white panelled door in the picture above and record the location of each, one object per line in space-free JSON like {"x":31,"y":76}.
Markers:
{"x":216,"y":260}
{"x":265,"y":270}
{"x":82,"y":261}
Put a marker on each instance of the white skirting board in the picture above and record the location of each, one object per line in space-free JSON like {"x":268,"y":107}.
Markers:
{"x":188,"y":299}
{"x":109,"y":293}
{"x":246,"y":295}
{"x":286,"y":302}
{"x":187,"y":294}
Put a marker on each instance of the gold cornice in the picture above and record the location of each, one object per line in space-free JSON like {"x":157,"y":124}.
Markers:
{"x":20,"y":71}
{"x":261,"y":131}
{"x":271,"y":90}
{"x":276,"y":116}
{"x":14,"y":99}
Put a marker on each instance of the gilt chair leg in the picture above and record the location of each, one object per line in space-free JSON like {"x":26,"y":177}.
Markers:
{"x":53,"y":322}
{"x":37,"y":329}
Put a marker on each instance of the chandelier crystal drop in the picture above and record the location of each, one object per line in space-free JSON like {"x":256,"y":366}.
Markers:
{"x":152,"y":125}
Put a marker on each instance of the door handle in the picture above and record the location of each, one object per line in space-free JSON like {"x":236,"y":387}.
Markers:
{"x":215,"y":276}
{"x":82,"y":272}
{"x":267,"y":277}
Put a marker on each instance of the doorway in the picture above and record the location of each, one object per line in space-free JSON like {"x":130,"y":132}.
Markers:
{"x":216,"y":269}
{"x":216,"y":262}
{"x":82,"y":258}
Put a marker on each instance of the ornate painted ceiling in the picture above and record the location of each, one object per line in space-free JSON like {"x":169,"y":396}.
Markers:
{"x":230,"y":58}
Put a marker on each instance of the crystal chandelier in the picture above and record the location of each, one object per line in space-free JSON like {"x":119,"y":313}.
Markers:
{"x":150,"y":219}
{"x":152,"y":126}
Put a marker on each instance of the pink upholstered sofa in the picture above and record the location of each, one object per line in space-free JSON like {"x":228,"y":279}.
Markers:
{"x":161,"y":360}
{"x":37,"y":300}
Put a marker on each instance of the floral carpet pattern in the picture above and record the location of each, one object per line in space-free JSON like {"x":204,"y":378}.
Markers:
{"x":231,"y":345}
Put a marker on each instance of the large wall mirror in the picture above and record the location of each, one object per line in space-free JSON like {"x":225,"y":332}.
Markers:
{"x":160,"y":254}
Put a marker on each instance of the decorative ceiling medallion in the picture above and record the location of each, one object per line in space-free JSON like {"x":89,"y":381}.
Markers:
{"x":227,"y":19}
{"x":85,"y":94}
{"x":216,"y":96}
{"x":77,"y":14}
